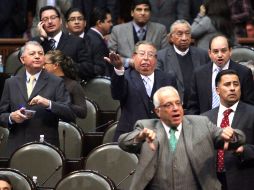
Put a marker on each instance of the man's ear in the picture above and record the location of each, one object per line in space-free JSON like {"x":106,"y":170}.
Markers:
{"x":22,"y":60}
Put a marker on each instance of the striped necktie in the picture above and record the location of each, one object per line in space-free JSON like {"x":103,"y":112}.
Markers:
{"x":216,"y":98}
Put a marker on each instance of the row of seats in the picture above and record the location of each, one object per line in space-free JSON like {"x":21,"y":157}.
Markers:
{"x":48,"y":163}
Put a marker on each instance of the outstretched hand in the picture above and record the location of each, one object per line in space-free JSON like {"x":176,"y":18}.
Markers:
{"x":148,"y":135}
{"x":115,"y":60}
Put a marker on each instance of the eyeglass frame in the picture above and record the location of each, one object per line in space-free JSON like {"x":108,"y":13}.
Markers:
{"x":73,"y":19}
{"x":170,"y":105}
{"x":52,"y":17}
{"x":149,"y":54}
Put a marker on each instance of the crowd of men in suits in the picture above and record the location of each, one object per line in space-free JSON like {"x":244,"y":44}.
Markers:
{"x":142,"y":59}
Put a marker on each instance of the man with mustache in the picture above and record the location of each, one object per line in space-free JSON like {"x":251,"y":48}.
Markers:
{"x":203,"y":94}
{"x":135,"y":86}
{"x":238,"y":167}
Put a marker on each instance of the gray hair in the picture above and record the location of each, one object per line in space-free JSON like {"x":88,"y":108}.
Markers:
{"x":180,"y":21}
{"x":23,"y":48}
{"x":157,"y":94}
{"x":143,"y":43}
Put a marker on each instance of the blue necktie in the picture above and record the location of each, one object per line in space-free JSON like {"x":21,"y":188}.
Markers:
{"x":216,"y":98}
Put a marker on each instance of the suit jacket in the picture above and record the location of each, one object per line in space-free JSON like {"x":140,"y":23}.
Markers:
{"x":167,"y":61}
{"x":200,"y":138}
{"x":201,"y":89}
{"x":134,"y":101}
{"x":239,"y":169}
{"x":169,"y":11}
{"x":77,"y":49}
{"x":99,"y":50}
{"x":45,"y":121}
{"x":122,"y":40}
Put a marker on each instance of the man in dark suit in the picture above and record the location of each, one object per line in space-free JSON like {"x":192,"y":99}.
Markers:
{"x":135,"y":86}
{"x":181,"y":58}
{"x":239,"y":166}
{"x":101,"y":23}
{"x":203,"y":94}
{"x":51,"y":37}
{"x":176,"y":152}
{"x":33,"y":89}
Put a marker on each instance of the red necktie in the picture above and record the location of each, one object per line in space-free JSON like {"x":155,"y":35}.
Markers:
{"x":220,"y":154}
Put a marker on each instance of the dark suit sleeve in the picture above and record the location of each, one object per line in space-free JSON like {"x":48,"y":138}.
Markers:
{"x":60,"y":106}
{"x":193,"y":104}
{"x":84,"y":62}
{"x":5,"y":106}
{"x":119,"y":87}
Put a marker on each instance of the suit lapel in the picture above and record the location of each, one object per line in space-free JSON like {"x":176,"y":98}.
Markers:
{"x":194,"y":58}
{"x":129,"y":35}
{"x":237,"y":117}
{"x":42,"y":81}
{"x":62,"y":41}
{"x":21,"y":82}
{"x":150,"y":32}
{"x":140,"y":87}
{"x":174,"y":64}
{"x":207,"y":82}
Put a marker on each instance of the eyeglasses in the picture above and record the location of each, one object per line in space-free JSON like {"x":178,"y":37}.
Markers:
{"x":170,"y":105}
{"x":143,"y":54}
{"x":73,"y":19}
{"x":46,"y":19}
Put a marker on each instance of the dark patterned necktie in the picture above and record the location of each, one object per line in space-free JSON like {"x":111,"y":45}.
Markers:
{"x":52,"y":44}
{"x":220,"y":153}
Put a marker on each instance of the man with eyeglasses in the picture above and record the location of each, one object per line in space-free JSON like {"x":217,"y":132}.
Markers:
{"x":124,"y":36}
{"x":181,"y":58}
{"x":52,"y":37}
{"x":176,"y":152}
{"x":203,"y":93}
{"x":135,"y":86}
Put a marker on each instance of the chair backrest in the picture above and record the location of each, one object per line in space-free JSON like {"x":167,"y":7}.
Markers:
{"x":13,"y":64}
{"x":110,"y":160}
{"x":109,"y":133}
{"x":71,"y":139}
{"x":85,"y":180}
{"x":242,"y":53}
{"x":89,"y":123}
{"x":4,"y":133}
{"x":39,"y":159}
{"x":18,"y":179}
{"x":99,"y":90}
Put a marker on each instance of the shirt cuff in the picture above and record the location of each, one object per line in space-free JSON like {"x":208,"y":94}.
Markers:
{"x":10,"y":122}
{"x":126,"y":62}
{"x":50,"y":105}
{"x":119,"y":72}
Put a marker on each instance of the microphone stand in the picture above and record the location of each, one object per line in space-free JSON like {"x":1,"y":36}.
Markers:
{"x":130,"y":174}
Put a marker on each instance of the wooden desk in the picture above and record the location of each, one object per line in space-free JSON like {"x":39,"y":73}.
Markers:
{"x":8,"y":45}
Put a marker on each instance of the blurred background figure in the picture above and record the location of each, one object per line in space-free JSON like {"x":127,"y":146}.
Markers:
{"x":214,"y":17}
{"x":167,"y":11}
{"x":5,"y":183}
{"x":13,"y":20}
{"x":241,"y":12}
{"x":249,"y":27}
{"x":61,"y":65}
{"x":75,"y":22}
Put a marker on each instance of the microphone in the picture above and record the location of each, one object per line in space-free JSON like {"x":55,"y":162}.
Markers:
{"x":125,"y":178}
{"x":105,"y":124}
{"x":64,"y":137}
{"x":57,"y":168}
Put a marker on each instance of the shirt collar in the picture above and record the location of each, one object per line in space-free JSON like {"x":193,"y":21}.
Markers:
{"x":223,"y":68}
{"x":56,"y":37}
{"x":98,"y":32}
{"x":28,"y":75}
{"x":182,"y":53}
{"x":223,"y":108}
{"x":137,"y":27}
{"x":151,"y":77}
{"x":167,"y":128}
